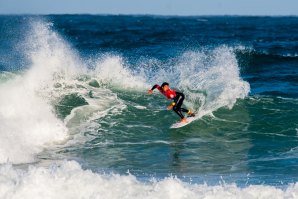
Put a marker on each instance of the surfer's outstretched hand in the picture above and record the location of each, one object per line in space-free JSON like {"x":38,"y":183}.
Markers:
{"x":150,"y":92}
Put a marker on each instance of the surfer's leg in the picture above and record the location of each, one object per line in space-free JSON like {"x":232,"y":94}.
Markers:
{"x":178,"y":112}
{"x":179,"y":103}
{"x":179,"y":100}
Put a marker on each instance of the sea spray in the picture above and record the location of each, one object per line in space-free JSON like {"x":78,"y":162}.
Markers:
{"x":213,"y":78}
{"x":112,"y":71}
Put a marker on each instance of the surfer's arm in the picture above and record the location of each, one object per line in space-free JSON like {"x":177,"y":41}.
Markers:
{"x":154,"y":87}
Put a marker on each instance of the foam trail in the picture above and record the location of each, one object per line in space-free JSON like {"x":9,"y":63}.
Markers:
{"x":69,"y":180}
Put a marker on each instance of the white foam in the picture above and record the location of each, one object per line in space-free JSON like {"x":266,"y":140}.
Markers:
{"x":140,"y":107}
{"x":69,"y":180}
{"x":28,"y":124}
{"x":112,"y":70}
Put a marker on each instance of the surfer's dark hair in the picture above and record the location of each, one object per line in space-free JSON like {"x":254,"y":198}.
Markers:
{"x":164,"y":84}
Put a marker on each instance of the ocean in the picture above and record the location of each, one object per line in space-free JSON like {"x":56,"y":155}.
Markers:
{"x":76,"y":120}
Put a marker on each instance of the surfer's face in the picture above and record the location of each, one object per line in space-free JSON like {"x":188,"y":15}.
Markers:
{"x":165,"y":88}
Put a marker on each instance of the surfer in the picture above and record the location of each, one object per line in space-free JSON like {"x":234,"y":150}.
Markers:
{"x":177,"y":98}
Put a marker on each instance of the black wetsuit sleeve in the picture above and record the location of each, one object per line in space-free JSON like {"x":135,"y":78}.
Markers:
{"x":154,"y":87}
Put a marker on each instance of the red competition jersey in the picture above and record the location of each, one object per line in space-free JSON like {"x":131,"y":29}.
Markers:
{"x":170,"y":94}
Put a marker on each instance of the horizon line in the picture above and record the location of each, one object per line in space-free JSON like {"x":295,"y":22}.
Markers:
{"x":156,"y":15}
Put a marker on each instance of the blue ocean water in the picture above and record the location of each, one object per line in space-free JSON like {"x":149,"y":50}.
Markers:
{"x":74,"y":106}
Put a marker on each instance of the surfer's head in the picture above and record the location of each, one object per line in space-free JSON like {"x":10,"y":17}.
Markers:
{"x":165,"y":86}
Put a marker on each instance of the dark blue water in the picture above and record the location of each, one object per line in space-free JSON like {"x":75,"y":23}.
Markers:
{"x":92,"y":73}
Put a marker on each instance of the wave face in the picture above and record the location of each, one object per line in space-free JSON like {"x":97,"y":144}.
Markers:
{"x":75,"y":88}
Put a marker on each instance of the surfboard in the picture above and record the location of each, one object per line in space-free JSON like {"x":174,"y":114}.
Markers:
{"x":181,"y":124}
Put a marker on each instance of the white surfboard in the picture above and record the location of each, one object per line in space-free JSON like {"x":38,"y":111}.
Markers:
{"x":181,"y":124}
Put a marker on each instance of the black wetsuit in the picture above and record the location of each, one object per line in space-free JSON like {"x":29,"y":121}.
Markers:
{"x":178,"y":99}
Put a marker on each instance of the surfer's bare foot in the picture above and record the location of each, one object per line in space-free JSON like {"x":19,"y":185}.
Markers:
{"x":183,"y":120}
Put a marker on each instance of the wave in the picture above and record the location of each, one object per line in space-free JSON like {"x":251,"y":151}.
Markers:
{"x":69,"y":180}
{"x":60,"y":95}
